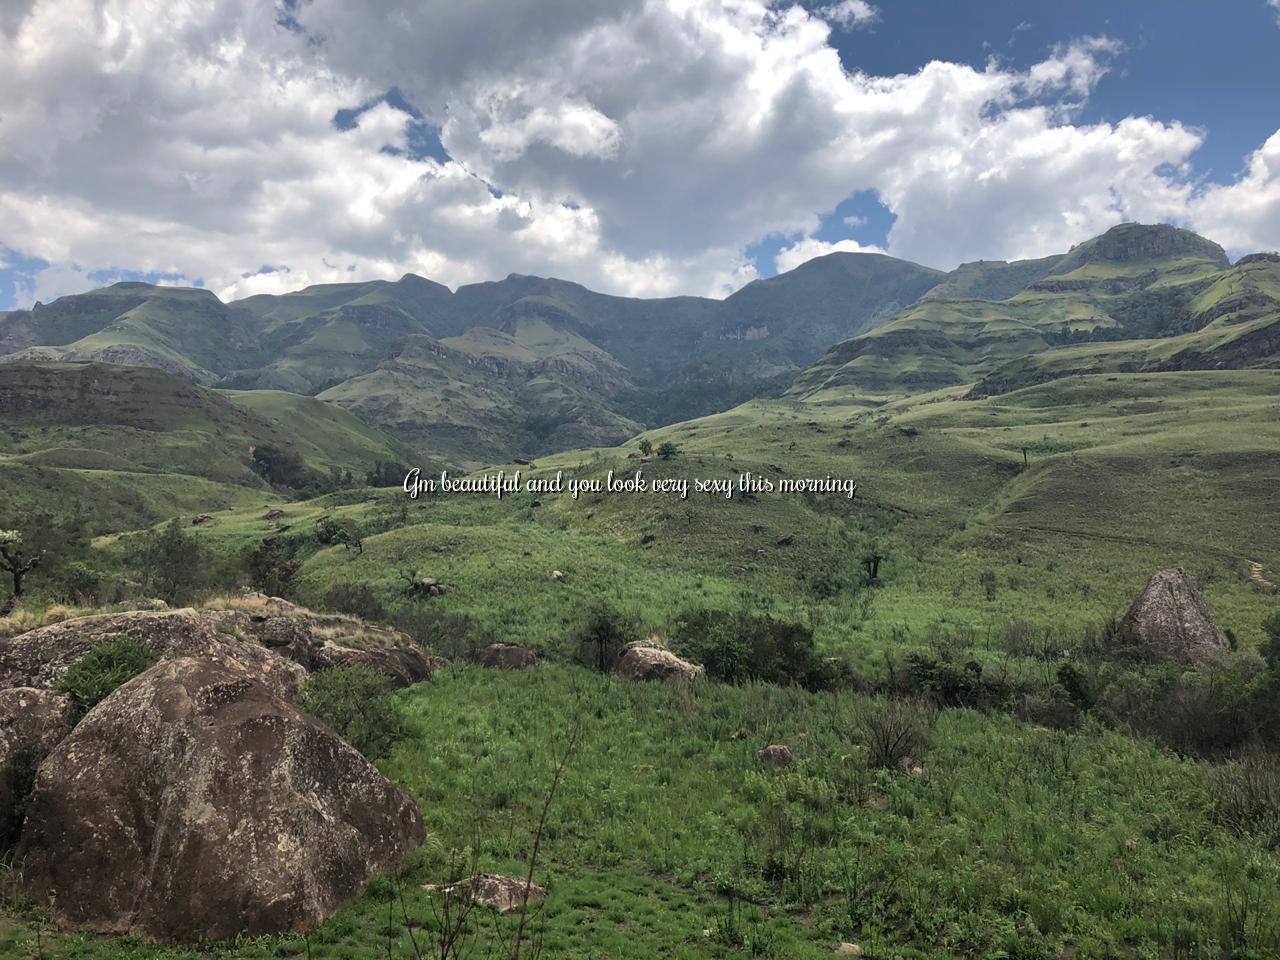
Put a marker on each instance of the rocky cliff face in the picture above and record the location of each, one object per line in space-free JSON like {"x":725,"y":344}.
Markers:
{"x":1138,"y":241}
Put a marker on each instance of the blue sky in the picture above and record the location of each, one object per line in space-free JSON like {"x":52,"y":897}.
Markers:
{"x":644,"y":147}
{"x":1211,"y":65}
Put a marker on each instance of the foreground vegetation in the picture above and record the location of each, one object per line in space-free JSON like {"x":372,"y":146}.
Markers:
{"x":667,"y":837}
{"x":1053,"y":798}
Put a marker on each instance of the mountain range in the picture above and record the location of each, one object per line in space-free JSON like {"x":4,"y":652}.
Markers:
{"x":528,"y":365}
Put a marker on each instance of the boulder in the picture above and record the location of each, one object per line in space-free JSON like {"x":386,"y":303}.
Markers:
{"x":41,"y":657}
{"x":1170,"y":620}
{"x":507,"y":657}
{"x":31,"y":724}
{"x":498,"y":892}
{"x":196,"y":804}
{"x":288,"y":635}
{"x":775,"y":756}
{"x":646,"y":662}
{"x":403,"y":665}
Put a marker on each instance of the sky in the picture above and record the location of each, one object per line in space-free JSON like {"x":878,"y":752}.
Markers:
{"x":639,"y":147}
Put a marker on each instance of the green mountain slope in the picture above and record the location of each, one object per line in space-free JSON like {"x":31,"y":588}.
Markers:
{"x":134,"y":443}
{"x":1138,"y":298}
{"x":561,"y":362}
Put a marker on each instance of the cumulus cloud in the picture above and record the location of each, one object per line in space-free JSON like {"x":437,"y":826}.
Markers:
{"x":790,"y":257}
{"x":849,"y":13}
{"x":636,"y":146}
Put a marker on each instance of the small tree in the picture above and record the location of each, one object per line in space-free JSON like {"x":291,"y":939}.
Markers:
{"x":667,"y":450}
{"x":603,"y":638}
{"x":284,"y":468}
{"x":386,"y":473}
{"x":171,"y":563}
{"x":646,"y":447}
{"x":17,"y":562}
{"x":272,"y":566}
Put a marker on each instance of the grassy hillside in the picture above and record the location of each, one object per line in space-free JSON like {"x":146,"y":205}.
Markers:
{"x":1125,"y":474}
{"x":1136,"y":299}
{"x":567,"y":366}
{"x":134,"y":444}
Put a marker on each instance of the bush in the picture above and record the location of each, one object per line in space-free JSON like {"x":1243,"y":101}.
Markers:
{"x":171,"y":563}
{"x":446,"y":634}
{"x":603,"y":638}
{"x":356,"y":703}
{"x":1270,"y":647}
{"x":739,"y":647}
{"x":356,"y":600}
{"x":280,"y":467}
{"x":896,"y":733}
{"x":105,"y":668}
{"x":1246,"y":797}
{"x":81,"y":582}
{"x":272,"y":566}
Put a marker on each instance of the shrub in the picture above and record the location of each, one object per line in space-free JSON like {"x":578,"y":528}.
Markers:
{"x":356,"y":600}
{"x":345,"y":532}
{"x":450,"y":635}
{"x":895,"y":733}
{"x":81,"y":582}
{"x":1246,"y":797}
{"x":105,"y":668}
{"x":272,"y":566}
{"x":667,"y":450}
{"x":171,"y":563}
{"x":989,"y":582}
{"x":281,"y":467}
{"x":356,"y":703}
{"x":739,"y":647}
{"x":603,"y":637}
{"x":1270,"y":647}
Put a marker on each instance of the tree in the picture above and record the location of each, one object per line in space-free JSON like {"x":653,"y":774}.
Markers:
{"x":284,"y":468}
{"x":386,"y":473}
{"x":171,"y":563}
{"x":603,"y":638}
{"x":17,"y":562}
{"x":330,"y":531}
{"x":667,"y":450}
{"x":272,"y":566}
{"x":646,"y":447}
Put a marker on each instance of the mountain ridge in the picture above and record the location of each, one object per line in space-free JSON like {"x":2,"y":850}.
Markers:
{"x":516,"y":367}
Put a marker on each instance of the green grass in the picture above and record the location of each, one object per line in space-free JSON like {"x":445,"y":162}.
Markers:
{"x":1012,"y":841}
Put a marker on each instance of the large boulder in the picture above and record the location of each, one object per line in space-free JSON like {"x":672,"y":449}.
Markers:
{"x":403,"y":665}
{"x":507,"y":657}
{"x":194,"y":803}
{"x":32,"y":722}
{"x":1170,"y":620}
{"x":646,"y":662}
{"x":40,"y":658}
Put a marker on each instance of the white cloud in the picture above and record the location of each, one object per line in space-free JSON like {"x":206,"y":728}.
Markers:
{"x":788,"y":258}
{"x":636,"y":146}
{"x":849,"y":13}
{"x":1244,"y":215}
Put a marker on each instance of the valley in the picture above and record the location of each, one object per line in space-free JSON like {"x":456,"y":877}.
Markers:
{"x":1030,"y":442}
